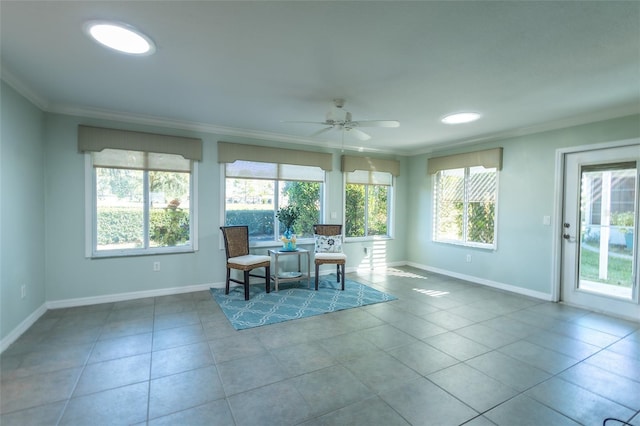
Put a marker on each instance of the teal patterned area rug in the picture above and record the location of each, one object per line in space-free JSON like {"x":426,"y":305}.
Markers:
{"x":294,"y":300}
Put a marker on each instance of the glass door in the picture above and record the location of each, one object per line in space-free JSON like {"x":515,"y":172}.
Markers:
{"x":607,"y":223}
{"x":600,"y":230}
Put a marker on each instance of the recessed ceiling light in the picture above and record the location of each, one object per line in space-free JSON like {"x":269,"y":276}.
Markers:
{"x":460,"y":117}
{"x":120,"y":37}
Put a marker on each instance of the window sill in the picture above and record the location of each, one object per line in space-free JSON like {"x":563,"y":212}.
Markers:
{"x":480,"y":246}
{"x":107,"y":254}
{"x":368,"y":238}
{"x":311,"y":241}
{"x":275,"y":244}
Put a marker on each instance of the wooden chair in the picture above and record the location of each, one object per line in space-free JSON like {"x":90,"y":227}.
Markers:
{"x":322,"y":257}
{"x":236,"y":245}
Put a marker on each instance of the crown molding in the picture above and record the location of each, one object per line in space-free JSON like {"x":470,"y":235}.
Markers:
{"x":23,"y":89}
{"x":110,"y":115}
{"x":609,"y":114}
{"x":90,"y":112}
{"x":103,"y":114}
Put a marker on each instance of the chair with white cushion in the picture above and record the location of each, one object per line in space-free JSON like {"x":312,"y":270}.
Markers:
{"x":328,"y":249}
{"x":236,"y":245}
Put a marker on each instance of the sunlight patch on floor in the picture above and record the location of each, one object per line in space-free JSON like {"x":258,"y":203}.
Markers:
{"x":432,"y":293}
{"x":404,"y":274}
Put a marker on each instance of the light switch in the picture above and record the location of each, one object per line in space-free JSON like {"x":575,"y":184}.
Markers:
{"x":546,"y":220}
{"x":334,"y":215}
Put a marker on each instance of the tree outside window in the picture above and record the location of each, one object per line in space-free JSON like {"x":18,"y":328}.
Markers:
{"x":254,"y":201}
{"x":138,"y":208}
{"x":367,"y":204}
{"x":306,"y":196}
{"x":465,"y":205}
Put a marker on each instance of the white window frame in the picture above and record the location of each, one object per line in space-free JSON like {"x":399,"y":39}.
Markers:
{"x":465,"y":242}
{"x":391,"y":202}
{"x":276,"y":241}
{"x":91,"y":228}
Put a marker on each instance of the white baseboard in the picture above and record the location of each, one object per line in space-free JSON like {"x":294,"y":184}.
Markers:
{"x":22,"y":327}
{"x":501,"y":286}
{"x":119,"y":297}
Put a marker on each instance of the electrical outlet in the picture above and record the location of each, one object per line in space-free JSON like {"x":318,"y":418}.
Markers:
{"x":23,"y":291}
{"x":468,"y":258}
{"x":156,"y":266}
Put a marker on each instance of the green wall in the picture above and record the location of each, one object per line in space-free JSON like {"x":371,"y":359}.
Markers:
{"x":22,"y":209}
{"x":525,"y":195}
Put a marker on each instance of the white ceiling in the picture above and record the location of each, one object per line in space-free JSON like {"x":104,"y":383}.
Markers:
{"x":241,"y":68}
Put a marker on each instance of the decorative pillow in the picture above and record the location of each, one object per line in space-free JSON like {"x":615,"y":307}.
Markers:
{"x":328,"y":243}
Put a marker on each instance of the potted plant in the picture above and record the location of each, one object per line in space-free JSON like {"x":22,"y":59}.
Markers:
{"x":287,"y":217}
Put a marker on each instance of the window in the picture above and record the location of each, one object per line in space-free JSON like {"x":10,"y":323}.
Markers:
{"x":259,"y":180}
{"x":622,"y":193}
{"x":465,"y":192}
{"x":367,"y":203}
{"x":254,"y":191}
{"x":140,"y":192}
{"x":368,"y":195}
{"x":142,"y":202}
{"x":465,"y":206}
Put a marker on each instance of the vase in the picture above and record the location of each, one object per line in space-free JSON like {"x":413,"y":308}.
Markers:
{"x":288,"y":240}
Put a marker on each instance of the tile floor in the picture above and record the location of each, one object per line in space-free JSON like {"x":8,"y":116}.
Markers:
{"x":446,"y":353}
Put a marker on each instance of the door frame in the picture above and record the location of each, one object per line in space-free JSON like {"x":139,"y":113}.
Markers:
{"x":556,"y":248}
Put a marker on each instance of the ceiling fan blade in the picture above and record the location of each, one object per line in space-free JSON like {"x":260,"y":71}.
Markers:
{"x":378,"y":123}
{"x":306,"y":122}
{"x":321,"y":131}
{"x":359,"y":134}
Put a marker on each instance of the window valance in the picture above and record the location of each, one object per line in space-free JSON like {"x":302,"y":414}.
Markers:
{"x":96,"y":139}
{"x":231,"y":152}
{"x":488,"y":159}
{"x":352,"y":163}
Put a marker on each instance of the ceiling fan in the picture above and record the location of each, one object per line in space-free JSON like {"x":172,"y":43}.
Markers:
{"x":340,"y":119}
